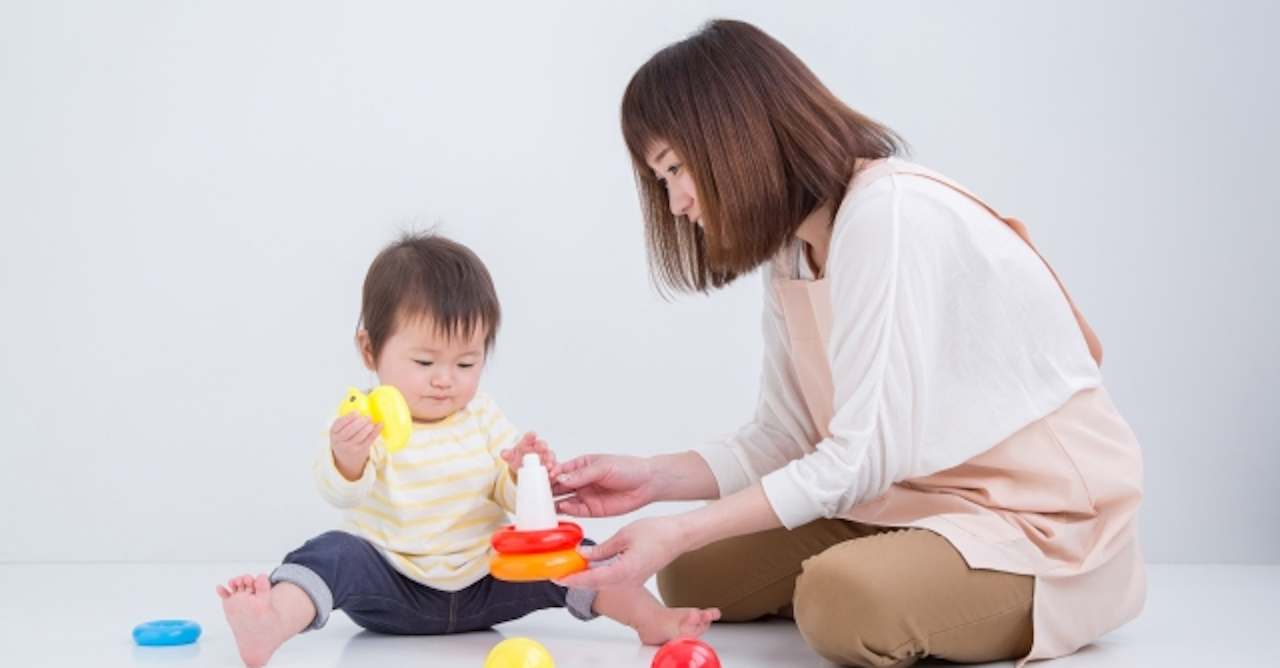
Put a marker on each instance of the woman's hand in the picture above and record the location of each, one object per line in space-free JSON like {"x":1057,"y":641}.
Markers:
{"x":645,"y":546}
{"x":350,"y":439}
{"x":604,"y":485}
{"x":529,"y":443}
{"x":639,"y":550}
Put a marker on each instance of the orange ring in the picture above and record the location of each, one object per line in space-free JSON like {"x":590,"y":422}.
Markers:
{"x":534,"y":567}
{"x":509,"y":540}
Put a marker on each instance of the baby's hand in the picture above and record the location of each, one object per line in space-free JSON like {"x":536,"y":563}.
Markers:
{"x":528,"y":443}
{"x":350,"y":439}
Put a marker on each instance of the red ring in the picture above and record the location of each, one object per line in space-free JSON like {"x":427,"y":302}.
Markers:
{"x":509,"y":540}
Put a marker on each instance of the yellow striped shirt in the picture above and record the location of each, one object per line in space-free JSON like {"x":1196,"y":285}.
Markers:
{"x":431,"y":507}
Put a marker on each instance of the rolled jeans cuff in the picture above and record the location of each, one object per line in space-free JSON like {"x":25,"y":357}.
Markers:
{"x":579,"y":602}
{"x":306,"y":579}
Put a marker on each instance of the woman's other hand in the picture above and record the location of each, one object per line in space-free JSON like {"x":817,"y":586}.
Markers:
{"x":607,"y":485}
{"x":638,"y":551}
{"x":642,"y":548}
{"x":604,"y":485}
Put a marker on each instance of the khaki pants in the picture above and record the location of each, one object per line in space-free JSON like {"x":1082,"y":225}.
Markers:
{"x":861,"y":595}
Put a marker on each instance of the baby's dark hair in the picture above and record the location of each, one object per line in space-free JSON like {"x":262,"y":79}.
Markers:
{"x":424,"y":275}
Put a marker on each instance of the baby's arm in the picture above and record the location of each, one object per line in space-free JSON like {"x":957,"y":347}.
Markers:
{"x":505,"y":486}
{"x":342,"y":469}
{"x":528,"y":443}
{"x":350,"y":439}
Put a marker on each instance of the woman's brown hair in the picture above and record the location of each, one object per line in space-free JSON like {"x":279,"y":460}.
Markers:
{"x":763,"y":139}
{"x":423,"y":275}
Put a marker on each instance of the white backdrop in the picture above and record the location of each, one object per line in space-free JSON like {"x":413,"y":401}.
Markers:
{"x":190,"y":194}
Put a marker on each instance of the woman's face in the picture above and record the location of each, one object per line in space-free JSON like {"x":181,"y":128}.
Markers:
{"x":681,"y":194}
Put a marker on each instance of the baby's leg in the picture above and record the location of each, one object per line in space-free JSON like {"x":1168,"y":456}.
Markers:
{"x":264,"y":612}
{"x":490,"y":601}
{"x":654,"y":622}
{"x":341,"y":571}
{"x":262,"y":617}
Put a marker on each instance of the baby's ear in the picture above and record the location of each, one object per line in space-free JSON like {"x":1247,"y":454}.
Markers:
{"x":365,"y":346}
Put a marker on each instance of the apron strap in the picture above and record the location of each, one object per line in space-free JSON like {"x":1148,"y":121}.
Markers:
{"x":880,"y":168}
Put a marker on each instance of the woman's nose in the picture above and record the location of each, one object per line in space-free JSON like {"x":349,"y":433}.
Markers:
{"x":679,"y":198}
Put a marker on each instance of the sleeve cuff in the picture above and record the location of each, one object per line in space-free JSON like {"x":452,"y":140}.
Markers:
{"x":337,"y":488}
{"x":340,"y":481}
{"x":788,"y":499}
{"x":728,"y":471}
{"x":506,"y":488}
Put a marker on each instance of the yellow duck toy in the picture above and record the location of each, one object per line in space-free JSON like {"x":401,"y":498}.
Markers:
{"x":386,"y":406}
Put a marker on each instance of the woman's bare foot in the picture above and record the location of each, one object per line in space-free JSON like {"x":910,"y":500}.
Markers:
{"x":674,"y":623}
{"x":258,"y":627}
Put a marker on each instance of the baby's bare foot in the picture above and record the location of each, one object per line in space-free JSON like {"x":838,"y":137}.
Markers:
{"x":677,"y":623}
{"x":255,"y":623}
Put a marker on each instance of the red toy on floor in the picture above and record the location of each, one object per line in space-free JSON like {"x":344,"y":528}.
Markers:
{"x":685,"y":653}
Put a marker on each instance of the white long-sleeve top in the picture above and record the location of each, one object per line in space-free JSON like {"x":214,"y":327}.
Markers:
{"x":949,"y":333}
{"x":431,"y":507}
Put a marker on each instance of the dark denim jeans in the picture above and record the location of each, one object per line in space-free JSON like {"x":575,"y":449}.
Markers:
{"x":377,"y":597}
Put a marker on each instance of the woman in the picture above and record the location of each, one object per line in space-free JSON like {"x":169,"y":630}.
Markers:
{"x":934,"y":468}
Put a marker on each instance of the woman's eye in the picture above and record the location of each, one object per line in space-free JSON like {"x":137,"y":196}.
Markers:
{"x":674,"y":169}
{"x":662,"y":182}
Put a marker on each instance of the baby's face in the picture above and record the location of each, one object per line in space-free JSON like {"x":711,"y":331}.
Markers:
{"x":437,"y":374}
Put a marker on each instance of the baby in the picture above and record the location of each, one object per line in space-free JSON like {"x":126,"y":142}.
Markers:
{"x":413,"y":552}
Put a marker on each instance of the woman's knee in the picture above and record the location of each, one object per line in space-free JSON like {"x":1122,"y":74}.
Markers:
{"x":688,"y":582}
{"x":891,"y":599}
{"x":725,"y":576}
{"x":848,"y":614}
{"x":751,"y":576}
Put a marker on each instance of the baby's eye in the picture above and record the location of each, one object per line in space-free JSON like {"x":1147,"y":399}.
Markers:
{"x":466,"y":365}
{"x":423,"y":362}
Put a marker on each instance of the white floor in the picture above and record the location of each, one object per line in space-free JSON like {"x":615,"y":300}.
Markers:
{"x":82,"y":615}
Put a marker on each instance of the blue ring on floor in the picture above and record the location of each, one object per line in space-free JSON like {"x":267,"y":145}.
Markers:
{"x":166,"y":632}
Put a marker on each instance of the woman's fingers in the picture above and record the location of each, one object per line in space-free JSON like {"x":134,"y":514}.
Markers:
{"x":549,"y":461}
{"x":627,"y":559}
{"x":610,"y":567}
{"x":600,"y":577}
{"x":578,"y":472}
{"x":602,"y":551}
{"x":573,"y":507}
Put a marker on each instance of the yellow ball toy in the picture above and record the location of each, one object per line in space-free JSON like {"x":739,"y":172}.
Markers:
{"x":386,"y":406}
{"x":519,"y":653}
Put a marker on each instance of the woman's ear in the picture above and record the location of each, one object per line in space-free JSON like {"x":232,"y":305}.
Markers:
{"x":366,"y":350}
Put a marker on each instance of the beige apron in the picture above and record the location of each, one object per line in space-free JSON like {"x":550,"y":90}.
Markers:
{"x":1057,"y":500}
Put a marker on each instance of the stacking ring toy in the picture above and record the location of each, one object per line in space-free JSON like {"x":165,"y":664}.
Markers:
{"x":509,"y":540}
{"x":166,"y":632}
{"x":386,"y":406}
{"x":536,"y":566}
